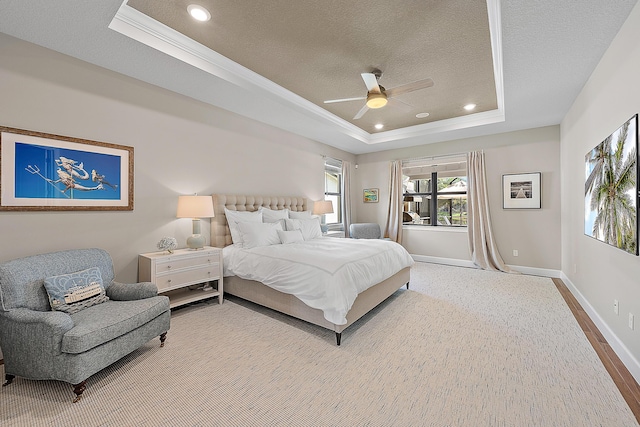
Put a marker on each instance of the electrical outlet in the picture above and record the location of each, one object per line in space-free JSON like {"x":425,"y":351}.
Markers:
{"x":515,"y":252}
{"x":616,"y":307}
{"x":630,"y":321}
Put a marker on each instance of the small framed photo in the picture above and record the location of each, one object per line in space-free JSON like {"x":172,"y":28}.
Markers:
{"x":45,"y":172}
{"x":521,"y":191}
{"x":370,"y":195}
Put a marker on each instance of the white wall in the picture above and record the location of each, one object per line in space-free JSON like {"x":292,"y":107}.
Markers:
{"x":181,"y":146}
{"x":602,"y":273}
{"x":534,"y":233}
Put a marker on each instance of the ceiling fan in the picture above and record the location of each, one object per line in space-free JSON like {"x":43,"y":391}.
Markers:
{"x":378,"y":96}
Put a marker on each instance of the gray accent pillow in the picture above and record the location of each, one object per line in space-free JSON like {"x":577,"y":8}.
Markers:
{"x":73,"y":292}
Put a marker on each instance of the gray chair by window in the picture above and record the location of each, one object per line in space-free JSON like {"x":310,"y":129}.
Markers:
{"x":39,"y":343}
{"x":365,"y":230}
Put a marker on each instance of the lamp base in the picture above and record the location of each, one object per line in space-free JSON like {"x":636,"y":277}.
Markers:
{"x":195,"y":241}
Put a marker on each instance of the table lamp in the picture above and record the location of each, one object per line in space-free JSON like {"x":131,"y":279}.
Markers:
{"x":195,"y":207}
{"x":322,"y":207}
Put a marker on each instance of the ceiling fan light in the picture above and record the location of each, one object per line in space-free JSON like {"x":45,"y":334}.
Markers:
{"x":376,"y":100}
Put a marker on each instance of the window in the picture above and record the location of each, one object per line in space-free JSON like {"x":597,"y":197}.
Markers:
{"x":333,"y":190}
{"x":435,"y":192}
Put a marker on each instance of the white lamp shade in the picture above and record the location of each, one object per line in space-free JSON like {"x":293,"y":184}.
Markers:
{"x":322,"y":207}
{"x":195,"y":207}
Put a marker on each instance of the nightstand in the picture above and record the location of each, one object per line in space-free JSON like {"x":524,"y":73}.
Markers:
{"x":178,"y":275}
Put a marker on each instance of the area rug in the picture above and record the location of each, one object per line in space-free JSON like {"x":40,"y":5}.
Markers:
{"x":463,"y":347}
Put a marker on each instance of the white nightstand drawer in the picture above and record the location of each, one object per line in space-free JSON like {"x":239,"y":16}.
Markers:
{"x":182,"y":278}
{"x":173,"y":264}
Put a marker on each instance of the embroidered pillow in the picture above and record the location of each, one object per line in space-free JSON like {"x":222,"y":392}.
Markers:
{"x":256,"y":234}
{"x":76,"y":291}
{"x":235,"y":217}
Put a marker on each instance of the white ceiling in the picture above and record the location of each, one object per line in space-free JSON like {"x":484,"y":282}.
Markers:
{"x":548,"y":50}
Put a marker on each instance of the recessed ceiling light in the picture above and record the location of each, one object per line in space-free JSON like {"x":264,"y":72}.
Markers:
{"x":469,"y":107}
{"x":198,"y":12}
{"x":422,"y":115}
{"x":379,"y":126}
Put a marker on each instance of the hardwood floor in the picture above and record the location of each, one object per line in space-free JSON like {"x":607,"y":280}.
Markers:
{"x":621,"y":376}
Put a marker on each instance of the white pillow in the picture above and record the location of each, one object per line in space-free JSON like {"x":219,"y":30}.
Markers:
{"x":310,"y":228}
{"x":292,"y":236}
{"x":235,"y":217}
{"x":256,"y":234}
{"x":300,"y":215}
{"x":269,"y":215}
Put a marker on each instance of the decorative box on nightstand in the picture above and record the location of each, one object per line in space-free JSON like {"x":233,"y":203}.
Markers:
{"x":185,"y":275}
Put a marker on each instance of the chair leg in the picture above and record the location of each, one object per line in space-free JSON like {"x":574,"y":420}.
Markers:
{"x":163,"y":337}
{"x":9,"y":379}
{"x":78,"y":389}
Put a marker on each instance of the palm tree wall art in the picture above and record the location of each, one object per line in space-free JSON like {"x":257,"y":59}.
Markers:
{"x":611,"y":189}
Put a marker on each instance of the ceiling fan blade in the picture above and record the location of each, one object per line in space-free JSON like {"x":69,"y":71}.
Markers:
{"x":371,"y":81}
{"x":359,"y":98}
{"x":360,"y":113}
{"x":409,"y":87}
{"x":398,"y":103}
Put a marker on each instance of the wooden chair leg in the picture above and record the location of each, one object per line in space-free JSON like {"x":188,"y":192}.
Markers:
{"x":9,"y":379}
{"x":78,"y":389}
{"x":163,"y":337}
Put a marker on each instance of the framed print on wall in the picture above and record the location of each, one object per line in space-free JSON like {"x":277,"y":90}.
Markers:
{"x":521,"y":191}
{"x":611,"y":189}
{"x":370,"y":195}
{"x":45,"y":172}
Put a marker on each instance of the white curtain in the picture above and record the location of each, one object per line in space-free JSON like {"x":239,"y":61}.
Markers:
{"x":393,"y":228}
{"x":483,"y":248}
{"x":346,"y":196}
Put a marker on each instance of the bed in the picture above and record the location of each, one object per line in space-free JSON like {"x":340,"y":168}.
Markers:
{"x":268,"y":296}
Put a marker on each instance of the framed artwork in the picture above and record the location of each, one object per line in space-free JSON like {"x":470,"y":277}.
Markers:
{"x":44,"y":172}
{"x":370,"y":195}
{"x":521,"y":191}
{"x":611,"y":189}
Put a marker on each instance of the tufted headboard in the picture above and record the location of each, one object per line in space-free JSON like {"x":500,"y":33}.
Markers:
{"x":220,"y":234}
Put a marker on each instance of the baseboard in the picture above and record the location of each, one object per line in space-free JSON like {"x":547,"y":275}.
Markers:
{"x":532,"y":271}
{"x":618,"y":346}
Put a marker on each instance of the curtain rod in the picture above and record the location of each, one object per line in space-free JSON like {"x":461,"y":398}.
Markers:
{"x":444,"y":156}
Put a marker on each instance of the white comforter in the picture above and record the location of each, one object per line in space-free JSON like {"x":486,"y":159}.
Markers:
{"x":325,"y":273}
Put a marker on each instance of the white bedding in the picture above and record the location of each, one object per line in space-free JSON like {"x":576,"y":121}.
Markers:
{"x":325,"y":273}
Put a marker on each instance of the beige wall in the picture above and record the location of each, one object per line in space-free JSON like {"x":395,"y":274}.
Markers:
{"x":599,"y":272}
{"x":534,"y":233}
{"x":181,"y":146}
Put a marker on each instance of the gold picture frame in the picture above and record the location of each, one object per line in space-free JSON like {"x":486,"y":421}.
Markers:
{"x":46,"y":172}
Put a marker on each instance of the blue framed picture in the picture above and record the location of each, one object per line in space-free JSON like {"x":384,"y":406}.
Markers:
{"x":40,"y":171}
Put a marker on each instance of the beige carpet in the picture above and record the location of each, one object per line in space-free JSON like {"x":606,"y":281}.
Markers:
{"x":464,"y":348}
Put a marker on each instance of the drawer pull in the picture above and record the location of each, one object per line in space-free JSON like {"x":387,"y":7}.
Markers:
{"x":169,"y":281}
{"x":168,"y":267}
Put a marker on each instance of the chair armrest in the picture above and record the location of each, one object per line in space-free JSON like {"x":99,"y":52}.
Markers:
{"x":28,"y":331}
{"x":131,"y":291}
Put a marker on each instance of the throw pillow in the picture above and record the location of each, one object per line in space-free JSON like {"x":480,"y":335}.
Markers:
{"x":300,"y":215}
{"x":310,"y":228}
{"x":76,"y":291}
{"x":270,"y":215}
{"x":292,"y":236}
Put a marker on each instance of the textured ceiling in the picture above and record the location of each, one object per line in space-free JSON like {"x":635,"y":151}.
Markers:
{"x":549,"y":48}
{"x":318,"y":50}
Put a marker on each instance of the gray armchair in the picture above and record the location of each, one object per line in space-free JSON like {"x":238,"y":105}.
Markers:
{"x":365,"y":230}
{"x":40,"y":344}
